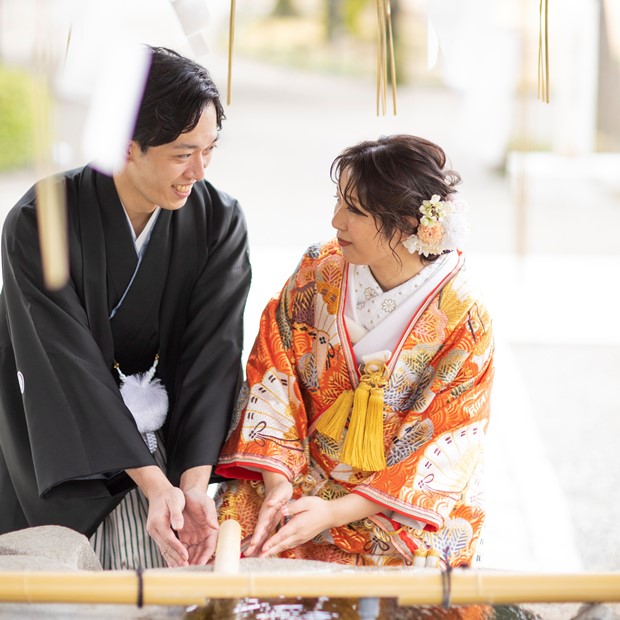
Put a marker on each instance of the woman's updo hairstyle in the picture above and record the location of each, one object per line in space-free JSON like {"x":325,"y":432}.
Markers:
{"x":391,"y":177}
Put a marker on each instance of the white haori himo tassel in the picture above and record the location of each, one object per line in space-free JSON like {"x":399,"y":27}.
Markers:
{"x":146,"y":397}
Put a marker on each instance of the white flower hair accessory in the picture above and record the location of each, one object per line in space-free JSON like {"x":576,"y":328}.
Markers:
{"x":443,"y":226}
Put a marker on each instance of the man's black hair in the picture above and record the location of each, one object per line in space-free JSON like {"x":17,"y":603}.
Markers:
{"x":176,"y":93}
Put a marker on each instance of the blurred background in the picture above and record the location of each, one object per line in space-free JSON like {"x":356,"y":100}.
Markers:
{"x":542,"y":182}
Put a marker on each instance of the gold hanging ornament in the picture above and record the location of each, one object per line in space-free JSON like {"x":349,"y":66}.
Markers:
{"x":385,"y":50}
{"x":50,"y":191}
{"x":231,"y":41}
{"x":363,"y":408}
{"x":543,"y":52}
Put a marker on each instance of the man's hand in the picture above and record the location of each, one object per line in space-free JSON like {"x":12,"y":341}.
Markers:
{"x":166,"y":504}
{"x":165,"y":516}
{"x":278,"y":491}
{"x":200,"y":527}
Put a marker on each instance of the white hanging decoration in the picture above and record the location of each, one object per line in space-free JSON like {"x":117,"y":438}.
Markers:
{"x":146,"y":397}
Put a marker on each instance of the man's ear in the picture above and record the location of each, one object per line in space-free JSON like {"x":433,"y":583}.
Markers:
{"x":131,"y":150}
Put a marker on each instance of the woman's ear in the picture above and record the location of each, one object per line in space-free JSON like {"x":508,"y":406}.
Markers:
{"x":412,"y":227}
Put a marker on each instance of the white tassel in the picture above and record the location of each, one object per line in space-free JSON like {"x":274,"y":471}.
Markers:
{"x":147,"y":399}
{"x":150,"y":439}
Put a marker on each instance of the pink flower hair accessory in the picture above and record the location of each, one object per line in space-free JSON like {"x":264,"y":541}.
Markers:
{"x":443,"y":226}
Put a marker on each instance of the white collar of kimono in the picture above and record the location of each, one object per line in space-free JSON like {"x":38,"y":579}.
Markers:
{"x":141,"y":240}
{"x":376,"y":319}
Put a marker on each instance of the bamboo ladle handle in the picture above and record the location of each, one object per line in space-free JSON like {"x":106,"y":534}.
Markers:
{"x":228,"y":550}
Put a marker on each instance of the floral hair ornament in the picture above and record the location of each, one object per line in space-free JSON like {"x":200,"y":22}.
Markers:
{"x":443,"y":226}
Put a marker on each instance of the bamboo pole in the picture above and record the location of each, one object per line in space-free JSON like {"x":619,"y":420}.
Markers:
{"x":227,"y":556}
{"x":228,"y":551}
{"x":119,"y":587}
{"x":409,"y":586}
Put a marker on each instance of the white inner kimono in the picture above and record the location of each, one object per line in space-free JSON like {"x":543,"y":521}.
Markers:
{"x":376,"y":320}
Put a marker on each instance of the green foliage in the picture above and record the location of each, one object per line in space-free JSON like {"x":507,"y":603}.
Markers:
{"x":284,"y":8}
{"x":15,"y":119}
{"x":352,"y":12}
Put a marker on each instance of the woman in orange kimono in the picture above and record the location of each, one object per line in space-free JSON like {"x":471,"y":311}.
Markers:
{"x":358,"y":437}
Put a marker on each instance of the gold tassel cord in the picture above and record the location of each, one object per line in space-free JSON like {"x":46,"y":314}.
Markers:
{"x":380,"y":63}
{"x":51,"y":201}
{"x":392,"y":58}
{"x":385,"y":50}
{"x":52,"y":224}
{"x":231,"y":42}
{"x":543,"y":52}
{"x":363,"y":444}
{"x":353,"y":447}
{"x":333,"y":420}
{"x":68,"y":45}
{"x":374,"y":450}
{"x":383,"y":43}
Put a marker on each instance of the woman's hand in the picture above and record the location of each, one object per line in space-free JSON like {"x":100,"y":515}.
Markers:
{"x":309,"y":516}
{"x":278,"y":491}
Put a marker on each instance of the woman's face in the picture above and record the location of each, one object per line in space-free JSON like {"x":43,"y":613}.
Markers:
{"x":357,"y":231}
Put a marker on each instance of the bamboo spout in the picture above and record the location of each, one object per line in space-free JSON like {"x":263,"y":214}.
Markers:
{"x":228,"y":551}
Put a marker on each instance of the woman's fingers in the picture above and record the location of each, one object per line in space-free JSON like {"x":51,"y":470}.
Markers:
{"x":306,"y":517}
{"x":267,"y":519}
{"x":273,"y":549}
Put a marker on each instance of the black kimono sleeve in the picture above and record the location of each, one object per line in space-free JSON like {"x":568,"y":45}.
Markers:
{"x":70,"y":426}
{"x":208,"y":374}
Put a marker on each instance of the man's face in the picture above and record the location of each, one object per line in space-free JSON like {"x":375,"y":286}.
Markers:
{"x":164,"y":175}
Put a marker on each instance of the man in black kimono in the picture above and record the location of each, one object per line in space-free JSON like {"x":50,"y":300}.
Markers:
{"x":159,"y":271}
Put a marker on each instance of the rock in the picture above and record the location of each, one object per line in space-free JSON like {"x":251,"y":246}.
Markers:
{"x":48,"y":547}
